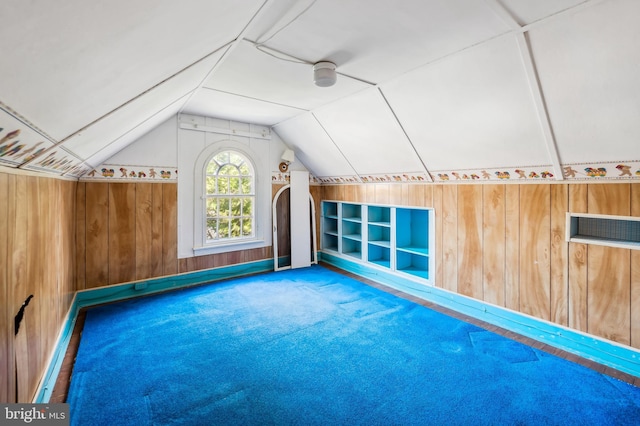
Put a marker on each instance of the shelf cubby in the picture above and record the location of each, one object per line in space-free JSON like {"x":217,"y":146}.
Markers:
{"x":379,"y":255}
{"x":379,"y":215}
{"x":352,"y":212}
{"x":352,"y":247}
{"x":413,"y":264}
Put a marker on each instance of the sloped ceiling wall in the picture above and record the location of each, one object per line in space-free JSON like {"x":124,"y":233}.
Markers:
{"x":427,"y":90}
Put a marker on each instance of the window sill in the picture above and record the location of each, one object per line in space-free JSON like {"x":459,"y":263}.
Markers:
{"x":227,"y":247}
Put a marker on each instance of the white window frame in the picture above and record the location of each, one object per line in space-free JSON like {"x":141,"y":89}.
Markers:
{"x":201,"y":245}
{"x":229,"y":196}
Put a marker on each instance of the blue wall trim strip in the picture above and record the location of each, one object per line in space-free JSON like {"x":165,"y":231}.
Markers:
{"x":602,"y":351}
{"x":91,"y":297}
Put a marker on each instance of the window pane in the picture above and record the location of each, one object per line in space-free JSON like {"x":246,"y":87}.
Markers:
{"x":247,"y":207}
{"x":212,"y":167}
{"x":223,"y":209}
{"x":247,"y":229}
{"x":236,"y":230}
{"x":211,"y":185}
{"x":223,"y":227}
{"x":223,"y":185}
{"x":211,"y":229}
{"x":222,"y":158}
{"x":236,"y":206}
{"x":212,"y":207}
{"x":246,"y":185}
{"x":235,"y":159}
{"x":228,"y":170}
{"x":234,"y":185}
{"x":245,"y":169}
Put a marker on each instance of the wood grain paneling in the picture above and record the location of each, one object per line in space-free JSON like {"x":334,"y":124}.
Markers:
{"x":559,"y":255}
{"x":122,"y":232}
{"x":169,"y":228}
{"x":36,"y":258}
{"x":450,"y":238}
{"x":493,"y":238}
{"x":81,"y":235}
{"x":143,"y":230}
{"x":578,"y":265}
{"x":535,"y":284}
{"x":470,"y":241}
{"x":382,"y":193}
{"x":635,"y":274}
{"x":97,"y":235}
{"x":512,"y":247}
{"x":437,"y":205}
{"x":157,"y":231}
{"x":6,"y":331}
{"x":609,"y":270}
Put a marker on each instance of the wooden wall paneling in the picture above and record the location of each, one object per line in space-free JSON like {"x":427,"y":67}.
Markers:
{"x":6,"y":318}
{"x":81,"y":235}
{"x":535,"y":268}
{"x":405,"y":194}
{"x":450,"y":237}
{"x":609,"y":199}
{"x":609,"y":297}
{"x":370,"y":193}
{"x":437,"y":207}
{"x":383,"y":193}
{"x":156,"y":230}
{"x":143,"y":229}
{"x":348,"y":192}
{"x":635,"y":273}
{"x":559,"y":254}
{"x":493,"y":243}
{"x":395,"y":194}
{"x":416,"y":196}
{"x":577,"y":265}
{"x":169,"y":227}
{"x":69,"y":204}
{"x":470,"y":250}
{"x":512,"y":247}
{"x":97,"y":234}
{"x":609,"y":269}
{"x":122,"y":232}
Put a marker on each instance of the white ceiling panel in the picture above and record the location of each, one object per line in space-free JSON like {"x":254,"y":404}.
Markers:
{"x":527,"y":11}
{"x":101,"y":133}
{"x":367,"y":133}
{"x":378,"y":40}
{"x":152,"y":122}
{"x":588,"y":67}
{"x":87,"y":58}
{"x":212,"y":103}
{"x":254,"y":74}
{"x":313,"y":146}
{"x":472,"y":109}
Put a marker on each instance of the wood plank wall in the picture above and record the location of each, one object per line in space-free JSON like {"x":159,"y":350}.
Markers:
{"x":505,"y":244}
{"x":36,"y":258}
{"x":125,"y":232}
{"x":128,"y":231}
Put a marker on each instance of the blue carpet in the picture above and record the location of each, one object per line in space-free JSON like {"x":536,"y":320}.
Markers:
{"x":313,"y":347}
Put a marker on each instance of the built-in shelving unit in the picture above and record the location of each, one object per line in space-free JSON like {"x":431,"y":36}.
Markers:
{"x":396,"y":239}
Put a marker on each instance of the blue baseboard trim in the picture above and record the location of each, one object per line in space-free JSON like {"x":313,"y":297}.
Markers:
{"x":114,"y":293}
{"x":602,"y":351}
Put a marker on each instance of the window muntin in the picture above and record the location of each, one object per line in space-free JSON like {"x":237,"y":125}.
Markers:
{"x":229,"y":198}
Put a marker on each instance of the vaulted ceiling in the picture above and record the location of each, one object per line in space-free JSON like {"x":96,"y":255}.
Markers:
{"x":425,"y":88}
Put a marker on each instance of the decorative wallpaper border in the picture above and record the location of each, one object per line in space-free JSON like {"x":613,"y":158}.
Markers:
{"x":606,"y":171}
{"x":120,"y":172}
{"x":285,"y":178}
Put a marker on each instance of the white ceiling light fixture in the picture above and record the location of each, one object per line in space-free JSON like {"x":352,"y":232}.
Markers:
{"x":324,"y":74}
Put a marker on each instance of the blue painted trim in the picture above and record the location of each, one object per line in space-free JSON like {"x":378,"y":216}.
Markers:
{"x":96,"y":296}
{"x":602,"y":351}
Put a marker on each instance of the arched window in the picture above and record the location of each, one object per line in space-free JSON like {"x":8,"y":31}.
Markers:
{"x":230,"y":197}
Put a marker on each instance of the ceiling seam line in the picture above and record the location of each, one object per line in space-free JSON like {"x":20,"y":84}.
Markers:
{"x":231,"y":46}
{"x":540,"y":105}
{"x":254,"y":99}
{"x":337,"y":147}
{"x":406,"y":135}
